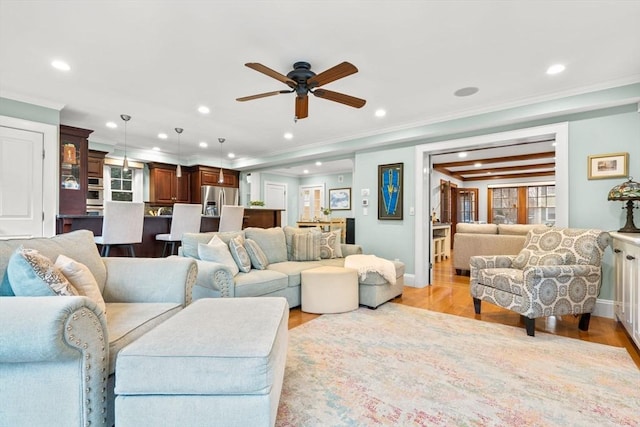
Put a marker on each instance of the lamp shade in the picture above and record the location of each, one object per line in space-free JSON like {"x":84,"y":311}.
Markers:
{"x":628,"y":190}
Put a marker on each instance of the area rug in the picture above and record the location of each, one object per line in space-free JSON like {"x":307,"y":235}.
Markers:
{"x":403,"y":366}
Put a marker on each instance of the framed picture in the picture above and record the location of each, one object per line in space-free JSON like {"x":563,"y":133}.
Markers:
{"x":340,"y":199}
{"x":604,"y":166}
{"x":390,"y":187}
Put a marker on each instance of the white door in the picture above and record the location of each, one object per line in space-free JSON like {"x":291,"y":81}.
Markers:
{"x":311,"y":201}
{"x":21,"y":210}
{"x":275,"y":197}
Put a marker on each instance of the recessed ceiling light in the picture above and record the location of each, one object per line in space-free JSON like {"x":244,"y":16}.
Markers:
{"x":162,"y":136}
{"x":305,"y":171}
{"x":203,"y":109}
{"x":203,"y":144}
{"x":380,"y":113}
{"x":554,"y":144}
{"x":477,"y":164}
{"x":466,"y":91}
{"x":318,"y":163}
{"x":156,"y":148}
{"x":60,"y":65}
{"x":462,"y":154}
{"x":288,"y":135}
{"x":555,"y":69}
{"x":231,"y":155}
{"x":111,"y":125}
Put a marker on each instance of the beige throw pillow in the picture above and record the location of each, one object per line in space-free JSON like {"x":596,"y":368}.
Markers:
{"x":82,"y":279}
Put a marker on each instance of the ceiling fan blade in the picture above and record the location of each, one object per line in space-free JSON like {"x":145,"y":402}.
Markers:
{"x":341,"y":70}
{"x":263,"y":95}
{"x":351,"y":101}
{"x":302,"y":107}
{"x":271,"y":73}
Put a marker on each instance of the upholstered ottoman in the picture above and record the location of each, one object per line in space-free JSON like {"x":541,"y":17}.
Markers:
{"x":329,"y":290}
{"x":220,"y":361}
{"x":375,"y":290}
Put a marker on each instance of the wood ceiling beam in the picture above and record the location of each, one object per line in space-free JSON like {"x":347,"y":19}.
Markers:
{"x":524,"y":157}
{"x":511,"y":175}
{"x":531,"y":168}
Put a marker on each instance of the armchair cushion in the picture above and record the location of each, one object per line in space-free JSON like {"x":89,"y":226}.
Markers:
{"x":33,"y":274}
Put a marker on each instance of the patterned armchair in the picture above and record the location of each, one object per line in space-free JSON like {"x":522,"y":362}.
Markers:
{"x":557,"y":273}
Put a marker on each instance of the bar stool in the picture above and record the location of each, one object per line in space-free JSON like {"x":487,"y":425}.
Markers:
{"x":121,"y":226}
{"x":438,"y":249}
{"x":231,"y":218}
{"x":184,"y":219}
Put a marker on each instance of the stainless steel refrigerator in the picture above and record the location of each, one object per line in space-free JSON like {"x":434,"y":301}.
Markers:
{"x":213,"y":198}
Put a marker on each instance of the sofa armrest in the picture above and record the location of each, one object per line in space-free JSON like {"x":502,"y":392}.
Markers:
{"x":55,"y":336}
{"x":33,"y":328}
{"x":214,"y":280}
{"x":150,"y":279}
{"x":350,"y":249}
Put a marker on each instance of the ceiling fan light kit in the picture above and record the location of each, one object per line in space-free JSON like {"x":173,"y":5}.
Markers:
{"x":303,"y":81}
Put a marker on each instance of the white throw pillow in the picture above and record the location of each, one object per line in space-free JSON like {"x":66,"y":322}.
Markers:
{"x":218,"y":251}
{"x":82,"y":279}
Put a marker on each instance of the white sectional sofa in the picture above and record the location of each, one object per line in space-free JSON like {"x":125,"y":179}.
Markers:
{"x":282,"y":275}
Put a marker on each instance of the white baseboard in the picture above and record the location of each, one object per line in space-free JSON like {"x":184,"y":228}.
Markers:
{"x":410,"y":280}
{"x":604,"y":308}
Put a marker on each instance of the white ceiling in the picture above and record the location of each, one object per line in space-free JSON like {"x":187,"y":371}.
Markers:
{"x":159,"y":61}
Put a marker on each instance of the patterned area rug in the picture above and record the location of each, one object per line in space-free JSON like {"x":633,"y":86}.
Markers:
{"x":403,"y":366}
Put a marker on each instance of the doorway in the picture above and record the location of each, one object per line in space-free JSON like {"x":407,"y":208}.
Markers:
{"x":275,"y":197}
{"x":423,"y":225}
{"x":29,"y":178}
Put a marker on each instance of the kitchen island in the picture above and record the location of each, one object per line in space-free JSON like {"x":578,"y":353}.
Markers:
{"x":150,"y":248}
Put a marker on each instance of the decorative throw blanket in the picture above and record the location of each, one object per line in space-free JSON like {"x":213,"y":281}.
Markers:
{"x":372,"y":264}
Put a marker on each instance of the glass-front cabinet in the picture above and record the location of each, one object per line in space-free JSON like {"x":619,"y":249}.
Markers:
{"x":73,"y":170}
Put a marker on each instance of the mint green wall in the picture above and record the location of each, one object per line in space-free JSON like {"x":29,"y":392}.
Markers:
{"x":588,"y":205}
{"x":34,"y":113}
{"x":385,"y":238}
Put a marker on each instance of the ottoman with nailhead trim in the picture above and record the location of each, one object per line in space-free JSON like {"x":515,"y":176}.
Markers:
{"x":329,"y":289}
{"x":220,"y":361}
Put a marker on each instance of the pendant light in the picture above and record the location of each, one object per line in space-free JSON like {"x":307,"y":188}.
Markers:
{"x":179,"y":168}
{"x":125,"y":162}
{"x":221,"y":177}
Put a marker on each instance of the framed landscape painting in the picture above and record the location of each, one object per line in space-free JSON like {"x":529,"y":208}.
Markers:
{"x":340,"y":199}
{"x":390,"y":187}
{"x":604,"y":166}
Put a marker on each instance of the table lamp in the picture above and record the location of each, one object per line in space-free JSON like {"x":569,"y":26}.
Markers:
{"x":628,"y":191}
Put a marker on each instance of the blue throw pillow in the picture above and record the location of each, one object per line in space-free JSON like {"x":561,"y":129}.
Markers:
{"x":31,"y":274}
{"x":5,"y":287}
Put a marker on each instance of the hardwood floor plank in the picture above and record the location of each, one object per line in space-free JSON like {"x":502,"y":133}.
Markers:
{"x":450,"y":294}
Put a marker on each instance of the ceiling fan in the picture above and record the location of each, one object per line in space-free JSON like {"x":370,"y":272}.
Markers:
{"x":303,"y":81}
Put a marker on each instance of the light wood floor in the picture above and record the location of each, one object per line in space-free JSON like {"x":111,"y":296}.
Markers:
{"x":450,"y":294}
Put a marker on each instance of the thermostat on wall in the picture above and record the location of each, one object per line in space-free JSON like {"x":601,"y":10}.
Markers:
{"x":365,"y":202}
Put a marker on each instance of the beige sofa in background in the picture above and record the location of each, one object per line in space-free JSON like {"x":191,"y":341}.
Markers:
{"x":487,"y":239}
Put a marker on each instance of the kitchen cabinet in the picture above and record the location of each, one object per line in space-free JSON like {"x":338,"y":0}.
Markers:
{"x":165,"y":187}
{"x":626,"y":249}
{"x":73,"y":169}
{"x":95,"y":163}
{"x":206,"y":175}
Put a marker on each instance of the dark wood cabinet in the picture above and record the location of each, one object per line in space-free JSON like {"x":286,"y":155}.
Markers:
{"x":95,"y":163}
{"x":73,"y":170}
{"x":206,"y":175}
{"x":165,"y":187}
